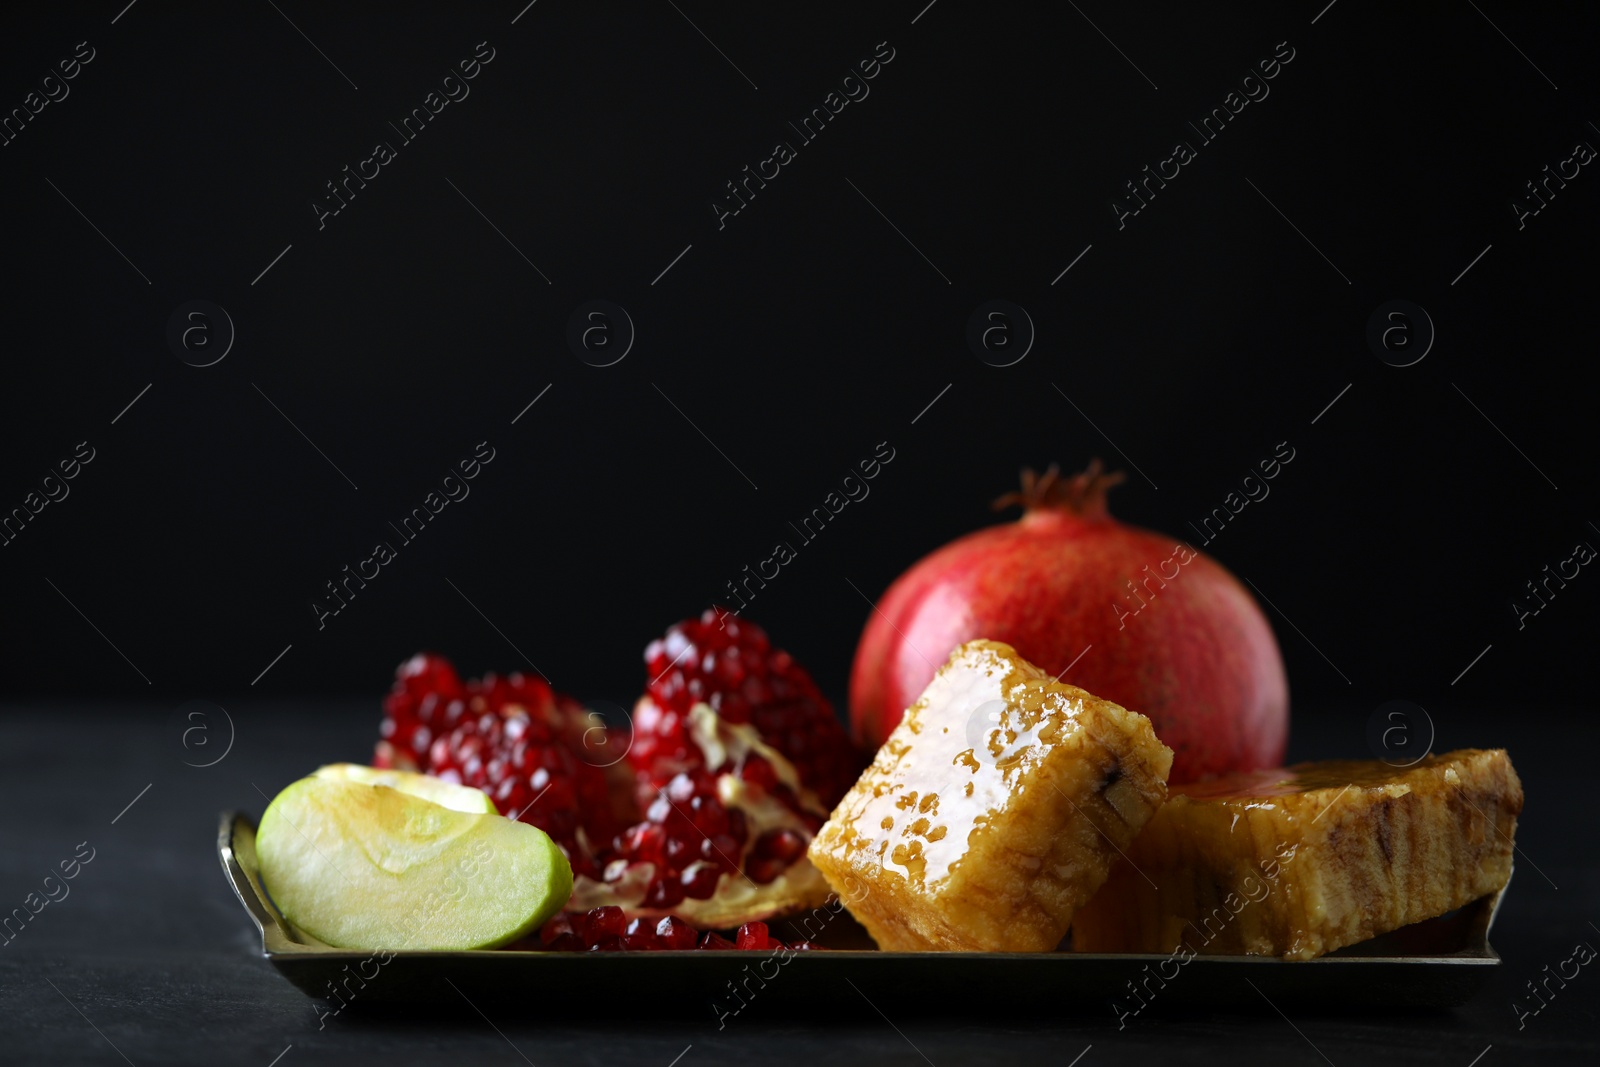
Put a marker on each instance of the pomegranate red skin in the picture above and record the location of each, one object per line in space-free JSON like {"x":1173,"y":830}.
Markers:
{"x":1198,"y":657}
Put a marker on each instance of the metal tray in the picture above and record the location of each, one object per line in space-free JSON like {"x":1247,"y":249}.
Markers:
{"x":1439,"y":963}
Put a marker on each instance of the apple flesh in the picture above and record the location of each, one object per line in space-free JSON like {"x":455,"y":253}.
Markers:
{"x":370,"y":867}
{"x":447,"y":794}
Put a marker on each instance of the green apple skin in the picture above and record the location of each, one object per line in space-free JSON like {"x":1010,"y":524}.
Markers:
{"x":369,"y":867}
{"x":448,"y":794}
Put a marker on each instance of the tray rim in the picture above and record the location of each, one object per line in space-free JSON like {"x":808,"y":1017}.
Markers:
{"x":281,"y":941}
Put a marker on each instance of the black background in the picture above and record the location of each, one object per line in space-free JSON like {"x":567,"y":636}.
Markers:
{"x":796,"y":338}
{"x":415,"y":325}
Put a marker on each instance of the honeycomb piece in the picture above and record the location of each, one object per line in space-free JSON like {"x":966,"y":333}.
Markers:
{"x":993,"y":810}
{"x":1300,"y":861}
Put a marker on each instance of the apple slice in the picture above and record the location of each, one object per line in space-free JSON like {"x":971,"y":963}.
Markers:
{"x":370,"y":867}
{"x":455,"y":797}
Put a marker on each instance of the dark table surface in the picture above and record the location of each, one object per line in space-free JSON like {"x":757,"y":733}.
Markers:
{"x":150,"y":959}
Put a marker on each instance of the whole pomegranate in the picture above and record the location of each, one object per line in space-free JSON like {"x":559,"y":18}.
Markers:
{"x":1142,"y":620}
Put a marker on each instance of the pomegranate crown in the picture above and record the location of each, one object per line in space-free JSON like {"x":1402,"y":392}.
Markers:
{"x":1083,"y":494}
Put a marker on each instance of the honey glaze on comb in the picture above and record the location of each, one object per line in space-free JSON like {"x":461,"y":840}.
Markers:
{"x":923,"y":833}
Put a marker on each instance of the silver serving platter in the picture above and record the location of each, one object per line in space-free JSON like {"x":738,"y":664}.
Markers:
{"x":1439,"y":963}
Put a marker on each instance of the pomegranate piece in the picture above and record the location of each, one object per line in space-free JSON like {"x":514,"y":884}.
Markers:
{"x":715,"y":942}
{"x":728,"y":663}
{"x":509,"y":735}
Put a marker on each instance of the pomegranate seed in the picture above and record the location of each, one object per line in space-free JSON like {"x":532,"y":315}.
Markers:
{"x":663,"y":893}
{"x":602,"y":923}
{"x":784,"y":844}
{"x":751,"y":936}
{"x":566,"y":943}
{"x":715,"y":942}
{"x":764,"y":871}
{"x":516,"y":725}
{"x":700,"y":882}
{"x":673,"y":933}
{"x":640,"y":936}
{"x":681,"y":789}
{"x":772,"y":854}
{"x":560,"y":926}
{"x":677,"y":851}
{"x":758,"y":771}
